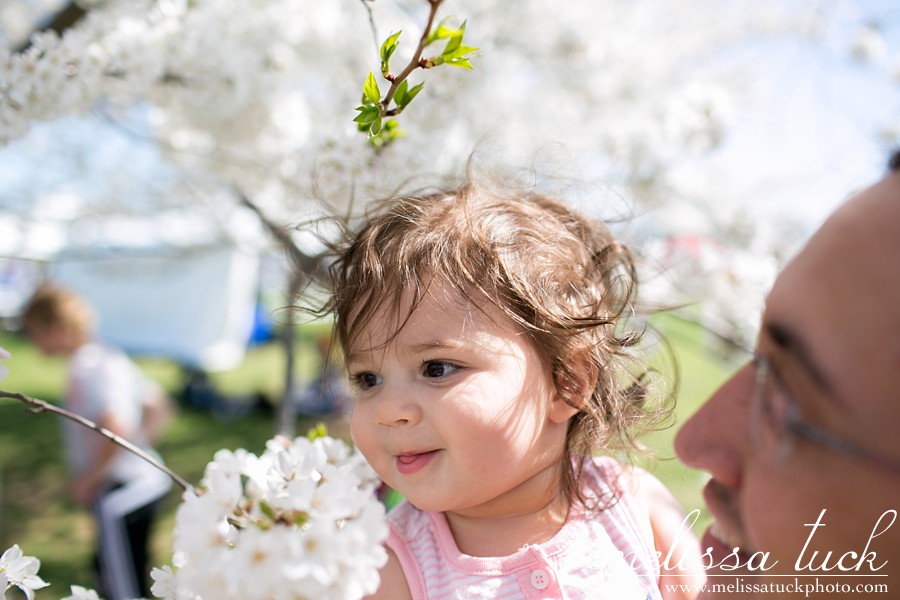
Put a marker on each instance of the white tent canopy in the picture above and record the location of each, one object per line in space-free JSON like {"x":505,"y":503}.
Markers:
{"x":193,"y":305}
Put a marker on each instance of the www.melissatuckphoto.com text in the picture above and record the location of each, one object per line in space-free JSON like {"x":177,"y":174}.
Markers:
{"x":801,"y":586}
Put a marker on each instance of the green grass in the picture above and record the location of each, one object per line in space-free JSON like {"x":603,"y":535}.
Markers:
{"x":701,"y":371}
{"x":35,"y":512}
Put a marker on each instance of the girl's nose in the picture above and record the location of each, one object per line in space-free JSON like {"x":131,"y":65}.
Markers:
{"x":397,"y":405}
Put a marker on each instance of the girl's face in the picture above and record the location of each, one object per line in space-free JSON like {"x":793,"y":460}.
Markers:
{"x":458,"y":412}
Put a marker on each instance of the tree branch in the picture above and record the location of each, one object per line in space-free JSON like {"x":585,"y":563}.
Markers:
{"x":415,"y":61}
{"x":306,"y":263}
{"x":372,"y":26}
{"x":71,"y":14}
{"x":40,"y":406}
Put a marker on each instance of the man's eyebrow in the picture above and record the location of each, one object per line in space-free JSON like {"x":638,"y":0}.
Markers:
{"x":790,"y":341}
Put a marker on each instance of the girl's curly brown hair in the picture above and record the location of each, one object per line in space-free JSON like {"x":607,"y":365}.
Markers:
{"x":563,"y":279}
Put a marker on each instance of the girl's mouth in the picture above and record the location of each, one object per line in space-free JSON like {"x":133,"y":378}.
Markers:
{"x":411,"y":463}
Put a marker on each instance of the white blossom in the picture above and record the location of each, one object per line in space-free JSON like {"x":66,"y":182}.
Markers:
{"x":302,"y":519}
{"x":20,"y":571}
{"x":869,"y":45}
{"x":259,"y":96}
{"x":164,"y":585}
{"x":80,"y":593}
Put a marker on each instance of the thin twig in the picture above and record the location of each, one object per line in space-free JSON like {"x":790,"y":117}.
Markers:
{"x":372,"y":26}
{"x":415,"y":62}
{"x":40,"y":406}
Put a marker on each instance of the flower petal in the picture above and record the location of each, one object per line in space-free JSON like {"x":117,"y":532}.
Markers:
{"x":12,"y":553}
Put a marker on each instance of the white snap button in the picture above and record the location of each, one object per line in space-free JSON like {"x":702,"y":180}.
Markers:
{"x":540,"y":579}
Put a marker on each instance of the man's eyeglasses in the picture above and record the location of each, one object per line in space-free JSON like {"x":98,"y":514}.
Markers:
{"x":776,"y":420}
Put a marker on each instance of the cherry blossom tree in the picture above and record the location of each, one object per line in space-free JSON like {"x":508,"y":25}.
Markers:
{"x":257,"y":106}
{"x":257,"y":101}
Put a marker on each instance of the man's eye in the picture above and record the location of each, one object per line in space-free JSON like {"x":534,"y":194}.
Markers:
{"x":365,"y":381}
{"x":437,"y":369}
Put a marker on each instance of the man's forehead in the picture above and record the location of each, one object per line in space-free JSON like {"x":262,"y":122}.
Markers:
{"x":840,"y":296}
{"x":858,"y":244}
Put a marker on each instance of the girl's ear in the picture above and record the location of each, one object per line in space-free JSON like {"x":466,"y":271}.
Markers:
{"x":574,"y":385}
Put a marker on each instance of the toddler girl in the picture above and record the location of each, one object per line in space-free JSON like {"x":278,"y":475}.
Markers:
{"x":483,"y":335}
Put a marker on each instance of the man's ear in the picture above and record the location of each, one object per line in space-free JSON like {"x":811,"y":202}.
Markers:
{"x":574,"y":385}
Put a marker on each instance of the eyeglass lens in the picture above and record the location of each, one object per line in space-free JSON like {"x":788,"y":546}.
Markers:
{"x":770,"y":413}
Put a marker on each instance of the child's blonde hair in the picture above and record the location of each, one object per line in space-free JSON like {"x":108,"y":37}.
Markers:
{"x":564,"y":280}
{"x":52,"y":307}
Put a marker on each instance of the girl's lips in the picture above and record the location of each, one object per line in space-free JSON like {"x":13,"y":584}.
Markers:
{"x":408,"y":464}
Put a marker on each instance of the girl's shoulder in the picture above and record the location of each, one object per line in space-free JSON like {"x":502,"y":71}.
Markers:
{"x":407,"y":521}
{"x":605,"y":478}
{"x":605,"y":474}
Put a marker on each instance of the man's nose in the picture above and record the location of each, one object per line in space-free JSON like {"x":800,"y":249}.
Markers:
{"x":717,"y":437}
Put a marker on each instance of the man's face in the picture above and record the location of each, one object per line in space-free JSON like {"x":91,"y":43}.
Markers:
{"x":831,"y":336}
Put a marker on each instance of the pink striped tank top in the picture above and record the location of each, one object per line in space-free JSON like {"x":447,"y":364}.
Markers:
{"x":594,"y":556}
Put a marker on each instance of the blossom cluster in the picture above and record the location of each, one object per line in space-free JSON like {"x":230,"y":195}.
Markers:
{"x":18,"y":570}
{"x":249,"y":95}
{"x":301,"y":520}
{"x":258,"y":96}
{"x":732,"y":282}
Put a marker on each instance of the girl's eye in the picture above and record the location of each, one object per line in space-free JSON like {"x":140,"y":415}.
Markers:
{"x":437,"y":369}
{"x":365,"y":381}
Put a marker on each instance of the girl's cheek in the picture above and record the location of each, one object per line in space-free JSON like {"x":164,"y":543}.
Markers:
{"x":357,"y":428}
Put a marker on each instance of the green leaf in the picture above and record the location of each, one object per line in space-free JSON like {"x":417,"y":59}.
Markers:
{"x":401,"y":93}
{"x":375,"y":127}
{"x":412,"y":93}
{"x":389,"y":45}
{"x":452,"y":45}
{"x":266,"y":509}
{"x":442,"y":32}
{"x":367,"y":113}
{"x":459,"y":51}
{"x":462,"y":63}
{"x":460,"y":57}
{"x":370,"y":89}
{"x":387,"y":50}
{"x":389,"y":132}
{"x":319,"y":431}
{"x":455,"y":53}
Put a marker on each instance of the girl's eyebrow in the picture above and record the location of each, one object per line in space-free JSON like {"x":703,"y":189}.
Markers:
{"x":431,"y":345}
{"x":412,"y":349}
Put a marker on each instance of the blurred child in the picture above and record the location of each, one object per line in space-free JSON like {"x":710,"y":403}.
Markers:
{"x":107,"y":388}
{"x":485,"y":335}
